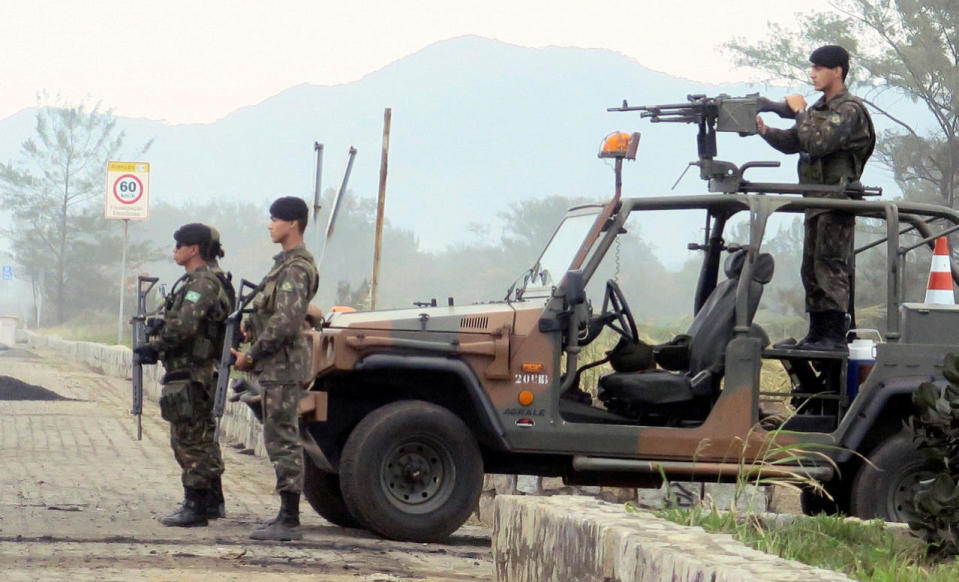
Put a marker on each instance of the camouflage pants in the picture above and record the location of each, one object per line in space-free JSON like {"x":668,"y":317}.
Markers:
{"x":281,"y":433}
{"x":827,"y":247}
{"x":194,"y":445}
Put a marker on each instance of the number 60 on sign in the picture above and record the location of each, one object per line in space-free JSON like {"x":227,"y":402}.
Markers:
{"x":127,"y":195}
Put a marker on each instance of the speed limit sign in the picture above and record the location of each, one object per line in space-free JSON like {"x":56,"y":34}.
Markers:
{"x":128,"y":191}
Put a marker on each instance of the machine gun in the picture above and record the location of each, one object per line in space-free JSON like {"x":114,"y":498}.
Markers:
{"x":731,"y":114}
{"x":231,"y":339}
{"x":144,"y":285}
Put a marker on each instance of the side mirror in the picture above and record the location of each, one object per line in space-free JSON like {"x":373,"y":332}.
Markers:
{"x":575,"y":287}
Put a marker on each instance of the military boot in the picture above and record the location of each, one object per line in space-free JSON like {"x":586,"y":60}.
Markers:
{"x":192,"y":511}
{"x":814,"y":333}
{"x":817,"y":324}
{"x":215,"y":505}
{"x":832,"y":337}
{"x":286,"y":526}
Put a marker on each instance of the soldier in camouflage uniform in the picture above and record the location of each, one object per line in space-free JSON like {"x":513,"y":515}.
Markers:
{"x":188,"y":340}
{"x":279,"y":358}
{"x":834,"y":138}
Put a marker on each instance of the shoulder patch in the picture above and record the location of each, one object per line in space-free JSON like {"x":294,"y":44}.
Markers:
{"x":835,"y":119}
{"x":192,"y":296}
{"x":286,"y":286}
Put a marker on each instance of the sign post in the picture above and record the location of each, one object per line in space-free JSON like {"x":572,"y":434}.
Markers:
{"x":127,"y":198}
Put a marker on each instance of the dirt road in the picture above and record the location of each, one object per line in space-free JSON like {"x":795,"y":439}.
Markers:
{"x":80,"y":498}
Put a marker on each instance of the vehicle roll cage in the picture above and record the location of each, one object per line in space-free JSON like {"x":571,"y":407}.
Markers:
{"x":920,"y":217}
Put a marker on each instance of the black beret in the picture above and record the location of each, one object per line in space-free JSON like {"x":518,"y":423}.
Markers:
{"x":193,"y":234}
{"x":290,"y":208}
{"x":830,"y":56}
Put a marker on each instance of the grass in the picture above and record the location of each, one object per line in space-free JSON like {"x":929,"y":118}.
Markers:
{"x":870,"y":551}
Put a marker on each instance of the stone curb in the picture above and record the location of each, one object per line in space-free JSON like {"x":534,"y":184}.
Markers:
{"x":566,"y":537}
{"x":238,"y":425}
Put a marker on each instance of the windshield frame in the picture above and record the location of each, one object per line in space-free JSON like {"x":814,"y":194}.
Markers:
{"x":533,"y":283}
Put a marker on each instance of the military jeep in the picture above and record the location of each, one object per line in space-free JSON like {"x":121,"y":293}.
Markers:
{"x":410,"y":407}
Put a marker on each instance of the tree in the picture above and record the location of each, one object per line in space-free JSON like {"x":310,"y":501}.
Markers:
{"x":51,"y":194}
{"x":909,"y":47}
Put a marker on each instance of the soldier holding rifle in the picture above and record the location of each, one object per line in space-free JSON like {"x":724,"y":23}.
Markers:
{"x":279,"y":358}
{"x":834,"y":138}
{"x":188,"y":340}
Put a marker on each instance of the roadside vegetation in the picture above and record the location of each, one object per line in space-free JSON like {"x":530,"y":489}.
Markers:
{"x":870,"y":551}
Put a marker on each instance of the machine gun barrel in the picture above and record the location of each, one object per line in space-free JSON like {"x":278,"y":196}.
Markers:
{"x":231,"y":339}
{"x":139,"y":338}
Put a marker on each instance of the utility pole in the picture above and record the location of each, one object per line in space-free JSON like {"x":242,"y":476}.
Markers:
{"x":380,"y":206}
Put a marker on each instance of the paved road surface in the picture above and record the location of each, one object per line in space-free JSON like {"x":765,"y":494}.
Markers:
{"x":80,"y":498}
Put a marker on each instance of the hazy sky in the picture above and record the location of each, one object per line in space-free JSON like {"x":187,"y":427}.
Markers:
{"x":189,"y":61}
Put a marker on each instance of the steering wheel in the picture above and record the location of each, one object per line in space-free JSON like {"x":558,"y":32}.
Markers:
{"x":616,"y":315}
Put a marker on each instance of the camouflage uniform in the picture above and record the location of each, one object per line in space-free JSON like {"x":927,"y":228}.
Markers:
{"x":189,"y":344}
{"x":834,"y":139}
{"x":281,"y":358}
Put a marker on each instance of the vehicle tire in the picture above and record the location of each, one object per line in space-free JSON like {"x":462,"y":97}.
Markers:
{"x":814,"y":503}
{"x":411,"y":470}
{"x":322,"y":491}
{"x":885,"y":486}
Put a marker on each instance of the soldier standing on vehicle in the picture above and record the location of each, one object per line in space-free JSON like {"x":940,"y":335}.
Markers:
{"x":834,"y":138}
{"x":188,"y":340}
{"x":279,"y":358}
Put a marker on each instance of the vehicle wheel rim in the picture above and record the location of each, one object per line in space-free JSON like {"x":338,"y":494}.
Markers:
{"x":905,"y":491}
{"x":417,"y":475}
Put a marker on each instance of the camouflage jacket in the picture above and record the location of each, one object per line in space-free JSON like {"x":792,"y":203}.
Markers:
{"x":193,"y":322}
{"x":834,"y":139}
{"x":279,"y":351}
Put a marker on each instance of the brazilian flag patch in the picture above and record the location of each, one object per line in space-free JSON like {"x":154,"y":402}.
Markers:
{"x":192,"y":296}
{"x":286,"y":286}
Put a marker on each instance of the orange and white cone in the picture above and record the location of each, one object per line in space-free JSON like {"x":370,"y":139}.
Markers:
{"x":939,"y":290}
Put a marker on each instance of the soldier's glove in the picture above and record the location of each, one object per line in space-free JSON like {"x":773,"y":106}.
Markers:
{"x":153,"y":326}
{"x":145,"y":354}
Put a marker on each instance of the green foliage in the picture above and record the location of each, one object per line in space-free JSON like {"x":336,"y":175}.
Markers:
{"x":358,"y":298}
{"x":935,"y":430}
{"x":58,"y":235}
{"x":907,"y":46}
{"x":867,"y":551}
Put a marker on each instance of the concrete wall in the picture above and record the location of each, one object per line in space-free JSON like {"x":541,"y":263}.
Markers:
{"x":564,"y":538}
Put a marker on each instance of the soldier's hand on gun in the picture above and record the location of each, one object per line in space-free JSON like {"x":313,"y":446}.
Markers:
{"x":145,"y":354}
{"x":796,"y":102}
{"x":153,"y":326}
{"x":760,"y":125}
{"x":243,"y":363}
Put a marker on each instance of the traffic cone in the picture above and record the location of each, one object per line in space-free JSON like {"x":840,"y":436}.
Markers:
{"x":939,"y":290}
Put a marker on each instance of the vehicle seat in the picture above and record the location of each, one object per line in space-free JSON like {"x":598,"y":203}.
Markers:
{"x":709,"y":333}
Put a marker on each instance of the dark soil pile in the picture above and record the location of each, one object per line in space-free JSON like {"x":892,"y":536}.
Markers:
{"x":13,"y":389}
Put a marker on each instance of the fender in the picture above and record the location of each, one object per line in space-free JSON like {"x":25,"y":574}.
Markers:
{"x":489,"y":420}
{"x":871,"y":409}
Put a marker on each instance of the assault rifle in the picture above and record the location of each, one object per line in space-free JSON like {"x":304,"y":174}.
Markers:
{"x":731,"y":114}
{"x":231,"y":339}
{"x":139,"y":338}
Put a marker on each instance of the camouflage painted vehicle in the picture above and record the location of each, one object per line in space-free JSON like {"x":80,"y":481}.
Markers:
{"x":411,"y":407}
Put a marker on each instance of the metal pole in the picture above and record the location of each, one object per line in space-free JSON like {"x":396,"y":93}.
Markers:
{"x":123,"y":276}
{"x":317,"y":194}
{"x":380,"y":204}
{"x":335,"y":206}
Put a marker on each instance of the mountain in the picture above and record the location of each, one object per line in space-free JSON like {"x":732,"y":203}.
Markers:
{"x":476,"y":125}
